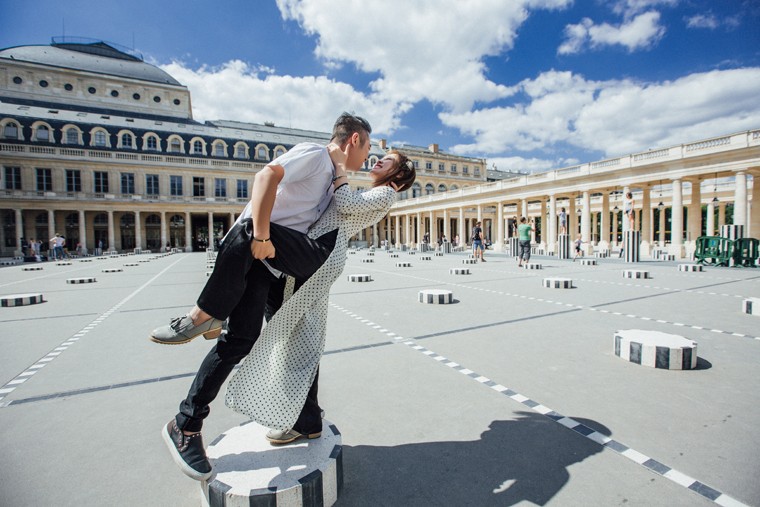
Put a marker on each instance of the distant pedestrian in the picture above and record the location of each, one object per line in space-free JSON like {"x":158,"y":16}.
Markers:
{"x":523,"y":235}
{"x":562,"y":221}
{"x":578,"y":242}
{"x":477,"y":242}
{"x":629,"y":211}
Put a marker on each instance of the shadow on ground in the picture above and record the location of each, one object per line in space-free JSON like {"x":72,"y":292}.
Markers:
{"x":525,"y":459}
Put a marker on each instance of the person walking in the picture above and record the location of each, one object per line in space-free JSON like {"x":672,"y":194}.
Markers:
{"x":523,"y":235}
{"x":477,"y":242}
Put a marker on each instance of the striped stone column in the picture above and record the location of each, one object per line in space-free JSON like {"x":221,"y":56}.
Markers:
{"x":563,"y":246}
{"x":631,"y":243}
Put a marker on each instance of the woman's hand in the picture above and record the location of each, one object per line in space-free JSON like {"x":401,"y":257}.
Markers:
{"x":337,"y":156}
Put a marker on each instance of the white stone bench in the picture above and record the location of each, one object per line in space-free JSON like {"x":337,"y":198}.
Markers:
{"x":558,"y":283}
{"x":359,"y":278}
{"x":689,"y":267}
{"x":656,"y":349}
{"x":751,"y":306}
{"x":21,"y":300}
{"x":635,"y":273}
{"x":459,"y":271}
{"x":248,"y":470}
{"x":435,"y":296}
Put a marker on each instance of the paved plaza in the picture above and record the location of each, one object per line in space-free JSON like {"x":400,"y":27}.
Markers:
{"x":510,"y":395}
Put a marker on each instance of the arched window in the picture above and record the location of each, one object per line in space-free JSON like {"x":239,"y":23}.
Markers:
{"x":11,"y":131}
{"x":197,"y":147}
{"x":177,"y":231}
{"x":127,"y":140}
{"x":416,"y":190}
{"x":151,"y":143}
{"x":100,"y":139}
{"x":454,"y":187}
{"x":153,"y":232}
{"x":262,"y":153}
{"x":241,"y":150}
{"x":219,"y":149}
{"x":441,"y":187}
{"x":72,"y":136}
{"x":175,"y":145}
{"x":429,"y":189}
{"x":279,"y":151}
{"x":42,"y":133}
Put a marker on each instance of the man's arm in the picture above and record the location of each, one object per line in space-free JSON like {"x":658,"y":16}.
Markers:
{"x":262,"y":201}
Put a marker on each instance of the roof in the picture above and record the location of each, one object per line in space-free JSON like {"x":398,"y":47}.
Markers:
{"x":96,"y":57}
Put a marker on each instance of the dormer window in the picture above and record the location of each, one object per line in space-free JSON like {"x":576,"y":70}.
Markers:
{"x":152,"y":143}
{"x":43,"y":133}
{"x":10,"y":131}
{"x":100,"y":139}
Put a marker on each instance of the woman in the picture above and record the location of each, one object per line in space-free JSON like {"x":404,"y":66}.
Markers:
{"x":272,"y":383}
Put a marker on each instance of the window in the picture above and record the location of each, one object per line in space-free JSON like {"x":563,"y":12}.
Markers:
{"x":100,"y":139}
{"x":453,"y":168}
{"x":175,"y":146}
{"x":152,"y":143}
{"x":13,"y":178}
{"x":465,"y":170}
{"x":101,"y":182}
{"x":441,"y":168}
{"x":151,"y":184}
{"x":429,"y":165}
{"x":441,"y":187}
{"x":220,"y":187}
{"x":240,"y":151}
{"x":126,"y":140}
{"x":175,"y":185}
{"x":44,"y":180}
{"x":416,"y":190}
{"x":429,"y":189}
{"x":279,"y":152}
{"x":416,"y":164}
{"x":219,"y":150}
{"x":127,"y":183}
{"x":197,"y":148}
{"x":199,"y":186}
{"x":73,"y":180}
{"x":242,"y":189}
{"x":72,"y":136}
{"x":10,"y":131}
{"x":262,"y":153}
{"x":42,"y":133}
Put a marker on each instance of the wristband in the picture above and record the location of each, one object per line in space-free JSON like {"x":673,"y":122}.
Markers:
{"x":339,"y":177}
{"x":262,"y":240}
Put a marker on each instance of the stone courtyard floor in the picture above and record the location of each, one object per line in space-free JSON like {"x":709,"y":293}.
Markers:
{"x":511,"y":395}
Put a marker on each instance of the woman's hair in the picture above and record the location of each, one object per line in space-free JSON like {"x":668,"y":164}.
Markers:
{"x":402,"y":174}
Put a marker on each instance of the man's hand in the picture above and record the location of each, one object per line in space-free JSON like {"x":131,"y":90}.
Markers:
{"x":261,"y":250}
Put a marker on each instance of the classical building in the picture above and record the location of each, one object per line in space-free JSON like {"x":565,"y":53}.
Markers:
{"x":101,"y":147}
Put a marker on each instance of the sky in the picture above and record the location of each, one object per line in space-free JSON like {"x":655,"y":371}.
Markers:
{"x":529,"y":85}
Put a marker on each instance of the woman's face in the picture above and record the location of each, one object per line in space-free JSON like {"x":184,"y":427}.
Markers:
{"x":383,"y":167}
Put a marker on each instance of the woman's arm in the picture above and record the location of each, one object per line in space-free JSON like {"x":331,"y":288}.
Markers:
{"x":350,"y":202}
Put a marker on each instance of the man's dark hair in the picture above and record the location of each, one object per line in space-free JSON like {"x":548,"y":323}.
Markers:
{"x":347,"y":124}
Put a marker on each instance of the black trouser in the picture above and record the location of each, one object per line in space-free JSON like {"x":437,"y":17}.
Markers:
{"x":238,"y":289}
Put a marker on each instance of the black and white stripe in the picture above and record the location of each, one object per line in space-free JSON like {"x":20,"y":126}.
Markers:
{"x":81,"y":280}
{"x":435,"y":296}
{"x":21,"y":300}
{"x":558,"y":283}
{"x":632,"y":245}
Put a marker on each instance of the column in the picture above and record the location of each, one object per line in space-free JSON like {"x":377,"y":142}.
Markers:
{"x":398,"y":231}
{"x":754,"y":221}
{"x":82,"y":232}
{"x":661,"y":226}
{"x":544,"y":228}
{"x":460,"y":224}
{"x":51,"y":225}
{"x":446,"y":225}
{"x":594,"y":228}
{"x":586,"y":222}
{"x":523,"y":210}
{"x":407,"y":230}
{"x":694,"y":226}
{"x":552,"y":229}
{"x":604,"y":223}
{"x":20,"y":232}
{"x":418,"y":229}
{"x":646,"y":220}
{"x":138,"y":231}
{"x":676,"y":220}
{"x":615,"y":226}
{"x":740,"y":199}
{"x":624,"y":223}
{"x":188,"y":233}
{"x":499,"y":243}
{"x":210,"y":243}
{"x":375,"y":241}
{"x":710,"y":229}
{"x":572,"y":219}
{"x":111,"y":232}
{"x":721,"y":214}
{"x":433,"y":229}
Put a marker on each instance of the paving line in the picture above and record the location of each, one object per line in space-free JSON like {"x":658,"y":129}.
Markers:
{"x":68,"y":342}
{"x":639,"y":458}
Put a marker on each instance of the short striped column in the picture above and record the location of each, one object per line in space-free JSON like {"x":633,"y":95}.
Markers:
{"x":32,"y":268}
{"x":514,"y":246}
{"x":435,"y":296}
{"x":370,"y":254}
{"x":656,"y":349}
{"x":588,"y":262}
{"x":112,"y":270}
{"x":426,"y":258}
{"x":632,"y":245}
{"x":394,"y":255}
{"x":81,"y":280}
{"x":459,"y":271}
{"x":368,"y":260}
{"x":411,"y":252}
{"x":130,"y":264}
{"x":439,"y":254}
{"x":532,"y":265}
{"x":307,"y":474}
{"x":403,"y":264}
{"x":751,"y":306}
{"x":732,"y":231}
{"x":689,"y":267}
{"x":20,"y":300}
{"x":63,"y":264}
{"x":558,"y":283}
{"x":352,"y":252}
{"x":635,"y":273}
{"x":602,"y":253}
{"x":85,"y":260}
{"x":359,"y":278}
{"x":563,"y":246}
{"x":469,"y":261}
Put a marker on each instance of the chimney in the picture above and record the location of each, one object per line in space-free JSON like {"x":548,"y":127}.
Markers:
{"x":433,"y":148}
{"x":383,"y":144}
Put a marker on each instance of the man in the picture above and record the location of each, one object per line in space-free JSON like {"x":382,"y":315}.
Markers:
{"x":288,"y":196}
{"x":477,"y":241}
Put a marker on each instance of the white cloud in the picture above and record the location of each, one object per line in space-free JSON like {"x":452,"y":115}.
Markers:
{"x":613,"y":117}
{"x":529,"y":165}
{"x":237,"y":91}
{"x":418,"y":55}
{"x":630,"y":8}
{"x":703,"y":21}
{"x":640,"y":32}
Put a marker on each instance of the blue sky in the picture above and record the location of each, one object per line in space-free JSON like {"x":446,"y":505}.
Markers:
{"x":528,"y":84}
